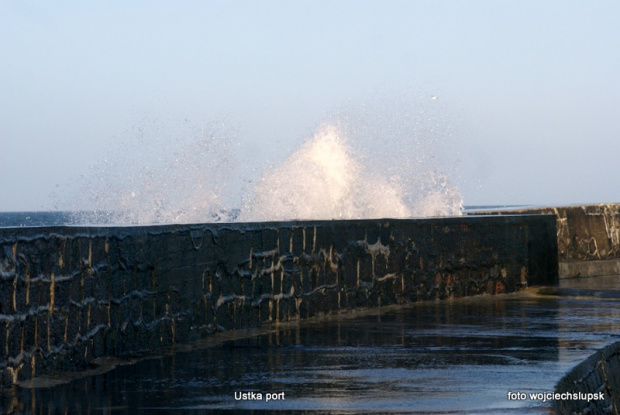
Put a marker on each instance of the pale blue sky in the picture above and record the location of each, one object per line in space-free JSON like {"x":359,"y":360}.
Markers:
{"x":530,"y":89}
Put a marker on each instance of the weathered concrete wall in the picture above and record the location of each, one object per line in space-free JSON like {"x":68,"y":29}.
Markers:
{"x":588,"y":237}
{"x":599,"y":373}
{"x":69,"y":295}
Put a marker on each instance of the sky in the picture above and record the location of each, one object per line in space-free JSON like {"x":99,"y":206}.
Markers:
{"x":527,"y":93}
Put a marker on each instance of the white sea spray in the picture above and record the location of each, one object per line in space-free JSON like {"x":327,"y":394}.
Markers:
{"x":376,"y":164}
{"x":325,"y":180}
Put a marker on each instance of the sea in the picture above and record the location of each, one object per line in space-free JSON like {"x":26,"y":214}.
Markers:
{"x":63,"y":218}
{"x":43,"y":218}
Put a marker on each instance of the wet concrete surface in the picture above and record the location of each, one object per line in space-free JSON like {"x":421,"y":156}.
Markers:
{"x":460,"y":356}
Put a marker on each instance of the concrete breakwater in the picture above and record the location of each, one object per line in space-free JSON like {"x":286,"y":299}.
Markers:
{"x":69,"y":295}
{"x":598,"y":375}
{"x":588,"y":237}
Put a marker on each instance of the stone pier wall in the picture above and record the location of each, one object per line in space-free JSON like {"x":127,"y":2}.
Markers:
{"x":588,"y":237}
{"x":599,"y":373}
{"x":69,"y":295}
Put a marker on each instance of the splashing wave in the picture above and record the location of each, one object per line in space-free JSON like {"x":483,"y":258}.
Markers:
{"x":326,"y":178}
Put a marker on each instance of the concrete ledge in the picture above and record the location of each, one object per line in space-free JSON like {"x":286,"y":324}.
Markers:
{"x":598,"y":373}
{"x":589,"y":268}
{"x":69,"y":295}
{"x":585,"y":233}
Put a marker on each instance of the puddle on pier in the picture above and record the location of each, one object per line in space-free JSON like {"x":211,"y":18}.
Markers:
{"x":460,"y":356}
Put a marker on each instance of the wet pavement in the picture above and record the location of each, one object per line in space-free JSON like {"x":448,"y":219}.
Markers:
{"x":458,"y":356}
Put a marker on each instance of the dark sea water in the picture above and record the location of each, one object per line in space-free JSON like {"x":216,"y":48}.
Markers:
{"x":56,"y":218}
{"x":59,"y":218}
{"x":34,"y":218}
{"x":447,"y":357}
